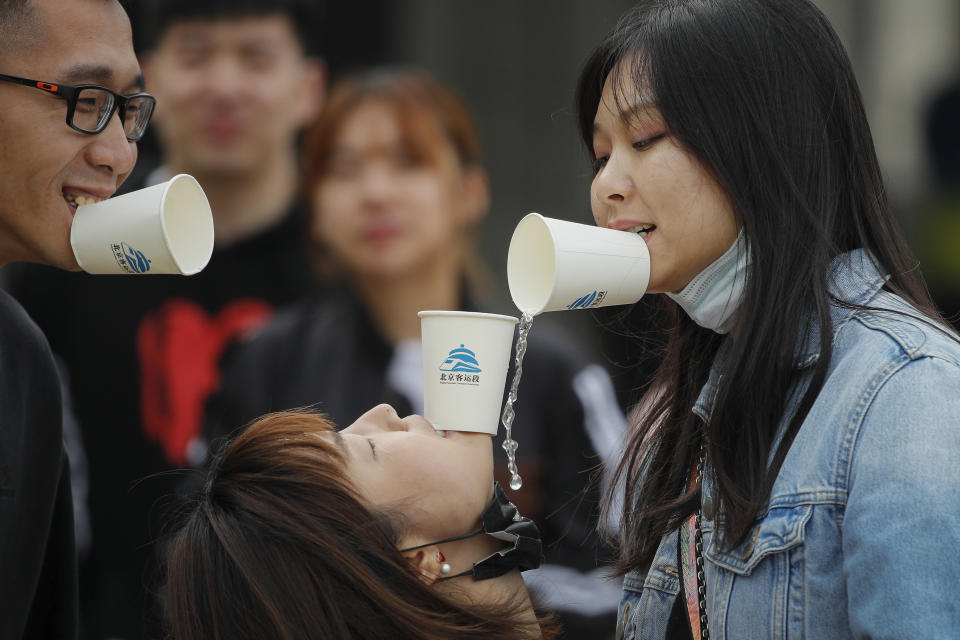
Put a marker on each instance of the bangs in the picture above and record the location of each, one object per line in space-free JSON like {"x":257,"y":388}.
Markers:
{"x":632,"y":85}
{"x":430,"y":118}
{"x":421,"y":135}
{"x":628,"y":66}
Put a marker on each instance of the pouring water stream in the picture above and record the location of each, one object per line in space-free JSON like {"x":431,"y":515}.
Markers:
{"x":509,"y":444}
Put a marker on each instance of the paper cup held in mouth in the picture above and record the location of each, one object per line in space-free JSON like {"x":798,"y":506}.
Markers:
{"x":465,"y":360}
{"x":165,"y":228}
{"x":555,"y":264}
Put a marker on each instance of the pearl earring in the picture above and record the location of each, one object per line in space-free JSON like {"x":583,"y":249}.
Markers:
{"x":445,"y":567}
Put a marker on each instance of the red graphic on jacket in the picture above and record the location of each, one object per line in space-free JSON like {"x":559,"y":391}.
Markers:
{"x":179,"y":348}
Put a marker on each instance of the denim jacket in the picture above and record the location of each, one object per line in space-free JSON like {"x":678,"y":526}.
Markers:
{"x":861,"y":537}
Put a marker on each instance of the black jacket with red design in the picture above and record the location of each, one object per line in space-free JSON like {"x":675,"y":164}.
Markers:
{"x":142,"y":354}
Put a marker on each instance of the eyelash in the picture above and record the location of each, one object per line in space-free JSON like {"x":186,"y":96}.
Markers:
{"x":642,"y":145}
{"x":373,"y":446}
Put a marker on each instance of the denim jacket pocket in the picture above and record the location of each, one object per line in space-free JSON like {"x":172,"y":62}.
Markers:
{"x":755,"y":591}
{"x":646,"y":601}
{"x":780,"y":530}
{"x":629,"y":600}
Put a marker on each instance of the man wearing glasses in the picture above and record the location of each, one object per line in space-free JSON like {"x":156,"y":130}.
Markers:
{"x":71,"y":111}
{"x":235,"y":81}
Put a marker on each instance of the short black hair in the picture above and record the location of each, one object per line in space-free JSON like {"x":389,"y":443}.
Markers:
{"x":154,"y":17}
{"x":18,"y":21}
{"x":13,"y":9}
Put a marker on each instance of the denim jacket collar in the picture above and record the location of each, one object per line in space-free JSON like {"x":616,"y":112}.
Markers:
{"x":853,"y":278}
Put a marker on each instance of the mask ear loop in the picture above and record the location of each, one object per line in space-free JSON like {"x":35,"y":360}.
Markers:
{"x":489,"y":567}
{"x":453,"y":539}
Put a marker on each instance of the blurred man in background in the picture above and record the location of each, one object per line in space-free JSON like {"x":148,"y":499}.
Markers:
{"x":236,"y":80}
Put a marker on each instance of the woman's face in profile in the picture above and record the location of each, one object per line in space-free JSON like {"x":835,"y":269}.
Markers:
{"x":440,"y":484}
{"x":379,"y":210}
{"x":647,"y":183}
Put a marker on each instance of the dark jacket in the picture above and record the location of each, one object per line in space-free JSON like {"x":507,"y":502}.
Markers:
{"x":38,"y":565}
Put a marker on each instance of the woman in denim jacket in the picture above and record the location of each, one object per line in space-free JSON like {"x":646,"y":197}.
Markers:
{"x":793,"y":469}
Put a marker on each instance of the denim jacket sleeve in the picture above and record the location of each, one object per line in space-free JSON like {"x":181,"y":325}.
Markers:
{"x":901,"y":528}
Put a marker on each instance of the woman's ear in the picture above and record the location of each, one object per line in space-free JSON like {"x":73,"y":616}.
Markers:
{"x":475,"y":197}
{"x":426,"y":562}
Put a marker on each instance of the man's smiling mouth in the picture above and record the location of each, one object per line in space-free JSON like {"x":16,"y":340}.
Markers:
{"x":76,"y":199}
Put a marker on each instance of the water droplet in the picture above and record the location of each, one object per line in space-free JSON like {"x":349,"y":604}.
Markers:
{"x":516,"y":482}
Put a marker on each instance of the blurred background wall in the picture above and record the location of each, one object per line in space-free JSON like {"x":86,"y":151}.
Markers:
{"x":903,"y":53}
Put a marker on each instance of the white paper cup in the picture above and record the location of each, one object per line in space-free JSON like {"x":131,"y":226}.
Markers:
{"x":166,"y":228}
{"x":465,"y":360}
{"x":556,"y":264}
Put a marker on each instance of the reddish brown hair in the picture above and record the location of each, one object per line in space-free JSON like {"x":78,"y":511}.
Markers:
{"x":278,"y":544}
{"x":429,"y":114}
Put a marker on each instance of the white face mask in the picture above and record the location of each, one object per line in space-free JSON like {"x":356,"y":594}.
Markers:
{"x":714,"y":295}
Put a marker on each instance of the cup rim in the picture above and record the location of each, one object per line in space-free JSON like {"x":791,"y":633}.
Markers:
{"x":467,"y":314}
{"x":536,"y":218}
{"x":163,"y":224}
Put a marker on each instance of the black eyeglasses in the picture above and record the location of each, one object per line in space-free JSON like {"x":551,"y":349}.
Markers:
{"x":90,"y":106}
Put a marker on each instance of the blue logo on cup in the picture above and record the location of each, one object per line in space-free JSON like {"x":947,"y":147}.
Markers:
{"x":462,"y":360}
{"x":594,"y":299}
{"x":137,"y":261}
{"x":584,"y":302}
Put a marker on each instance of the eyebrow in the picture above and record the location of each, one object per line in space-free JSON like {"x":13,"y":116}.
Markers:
{"x":640,"y":108}
{"x":635,"y":110}
{"x":99,"y":74}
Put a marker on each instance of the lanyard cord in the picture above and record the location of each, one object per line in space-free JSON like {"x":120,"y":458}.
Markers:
{"x":698,"y":551}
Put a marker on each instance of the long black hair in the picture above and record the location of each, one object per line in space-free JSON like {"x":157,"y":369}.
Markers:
{"x":763,"y":94}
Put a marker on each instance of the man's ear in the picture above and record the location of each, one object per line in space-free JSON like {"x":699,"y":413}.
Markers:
{"x":148,"y":67}
{"x":312,"y":90}
{"x":426,"y":562}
